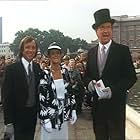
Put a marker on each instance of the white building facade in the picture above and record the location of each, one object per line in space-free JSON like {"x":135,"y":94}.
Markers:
{"x":6,"y":51}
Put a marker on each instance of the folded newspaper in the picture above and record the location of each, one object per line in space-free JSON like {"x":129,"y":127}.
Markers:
{"x":99,"y":86}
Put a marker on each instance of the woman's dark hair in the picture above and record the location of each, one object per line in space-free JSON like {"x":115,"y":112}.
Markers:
{"x":25,"y":40}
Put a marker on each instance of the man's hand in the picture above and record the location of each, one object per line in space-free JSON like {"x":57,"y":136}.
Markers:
{"x":106,"y":93}
{"x":91,"y":85}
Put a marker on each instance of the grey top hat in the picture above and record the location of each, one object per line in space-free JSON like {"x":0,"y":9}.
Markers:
{"x":102,"y":16}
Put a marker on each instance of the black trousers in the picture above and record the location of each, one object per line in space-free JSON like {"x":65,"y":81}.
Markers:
{"x":109,"y":125}
{"x":109,"y":130}
{"x":24,"y":127}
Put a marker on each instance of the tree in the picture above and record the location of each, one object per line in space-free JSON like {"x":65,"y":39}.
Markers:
{"x":44,"y":38}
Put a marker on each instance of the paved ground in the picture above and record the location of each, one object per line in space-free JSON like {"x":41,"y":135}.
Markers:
{"x":81,"y":130}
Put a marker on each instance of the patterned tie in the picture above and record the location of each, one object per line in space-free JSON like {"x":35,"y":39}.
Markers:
{"x":102,"y":59}
{"x":29,"y":73}
{"x":103,"y":55}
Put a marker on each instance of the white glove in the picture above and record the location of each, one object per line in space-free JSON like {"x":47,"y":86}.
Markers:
{"x":47,"y":125}
{"x":105,"y":93}
{"x":9,"y":131}
{"x":91,"y":85}
{"x":74,"y":117}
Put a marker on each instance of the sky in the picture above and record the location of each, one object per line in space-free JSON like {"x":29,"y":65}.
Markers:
{"x":73,"y":18}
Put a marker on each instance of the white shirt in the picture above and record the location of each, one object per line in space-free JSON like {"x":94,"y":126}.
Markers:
{"x":106,"y":46}
{"x":25,"y":64}
{"x":101,"y":59}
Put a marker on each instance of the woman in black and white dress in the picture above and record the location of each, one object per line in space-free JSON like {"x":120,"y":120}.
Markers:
{"x":57,"y":101}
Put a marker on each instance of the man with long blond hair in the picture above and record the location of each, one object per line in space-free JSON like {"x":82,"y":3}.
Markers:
{"x":19,"y":93}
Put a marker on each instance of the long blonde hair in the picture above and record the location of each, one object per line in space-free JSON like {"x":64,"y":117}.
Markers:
{"x":25,"y":40}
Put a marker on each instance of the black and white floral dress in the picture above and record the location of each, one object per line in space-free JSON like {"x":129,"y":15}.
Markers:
{"x":51,"y":107}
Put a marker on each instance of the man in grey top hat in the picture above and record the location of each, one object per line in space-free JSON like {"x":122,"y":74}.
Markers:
{"x":112,"y":63}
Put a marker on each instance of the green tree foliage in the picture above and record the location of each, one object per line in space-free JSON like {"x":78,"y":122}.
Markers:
{"x":44,"y":38}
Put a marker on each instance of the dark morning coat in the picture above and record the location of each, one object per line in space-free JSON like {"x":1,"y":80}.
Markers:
{"x":15,"y":89}
{"x":118,"y":74}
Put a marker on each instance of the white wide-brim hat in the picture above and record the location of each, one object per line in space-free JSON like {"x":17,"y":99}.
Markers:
{"x":54,"y":47}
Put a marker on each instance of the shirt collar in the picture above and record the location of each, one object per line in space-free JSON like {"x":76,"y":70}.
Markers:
{"x":26,"y":63}
{"x":106,"y":45}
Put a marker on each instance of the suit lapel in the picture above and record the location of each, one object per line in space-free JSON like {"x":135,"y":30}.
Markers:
{"x":109,"y":58}
{"x":35,"y":72}
{"x":95,"y":60}
{"x":21,"y":70}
